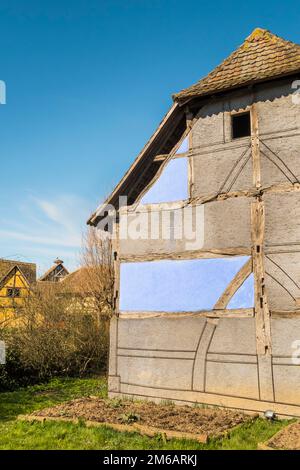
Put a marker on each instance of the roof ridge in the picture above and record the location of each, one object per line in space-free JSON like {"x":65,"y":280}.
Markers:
{"x":265,"y":34}
{"x":256,"y":35}
{"x":5,"y":260}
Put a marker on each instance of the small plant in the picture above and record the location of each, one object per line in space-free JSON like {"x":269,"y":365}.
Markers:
{"x":167,"y":403}
{"x":132,"y":399}
{"x":81,"y":423}
{"x":202,"y":406}
{"x":161,"y":437}
{"x":128,"y":418}
{"x":115,"y":403}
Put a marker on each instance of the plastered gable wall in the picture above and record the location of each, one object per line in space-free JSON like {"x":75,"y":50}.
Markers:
{"x":226,"y":224}
{"x":279,"y":130}
{"x":282,"y":245}
{"x":220,"y":163}
{"x":216,"y":360}
{"x":286,"y":373}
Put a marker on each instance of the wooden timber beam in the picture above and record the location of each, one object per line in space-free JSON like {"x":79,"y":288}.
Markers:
{"x":255,"y":147}
{"x":116,"y":268}
{"x":285,"y":313}
{"x":234,"y":285}
{"x":234,"y":313}
{"x":262,"y":313}
{"x":164,"y":163}
{"x":186,"y":255}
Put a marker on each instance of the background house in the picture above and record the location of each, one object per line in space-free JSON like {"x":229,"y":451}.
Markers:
{"x":16,"y":279}
{"x":56,"y":273}
{"x":87,"y":288}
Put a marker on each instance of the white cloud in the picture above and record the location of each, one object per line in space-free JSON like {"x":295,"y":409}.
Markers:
{"x":45,"y":227}
{"x":44,"y":240}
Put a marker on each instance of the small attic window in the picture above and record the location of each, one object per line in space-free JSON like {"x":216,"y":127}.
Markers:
{"x":240,"y":124}
{"x":13,"y":292}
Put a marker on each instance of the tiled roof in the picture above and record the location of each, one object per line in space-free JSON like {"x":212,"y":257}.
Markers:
{"x":262,"y":56}
{"x":50,"y":274}
{"x":28,"y":269}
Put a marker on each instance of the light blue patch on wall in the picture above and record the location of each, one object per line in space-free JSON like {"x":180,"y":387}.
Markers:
{"x":172,"y":185}
{"x":178,"y":285}
{"x":244,"y":296}
{"x":184,"y":147}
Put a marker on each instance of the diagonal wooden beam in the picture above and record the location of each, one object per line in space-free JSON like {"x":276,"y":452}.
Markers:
{"x":234,"y":285}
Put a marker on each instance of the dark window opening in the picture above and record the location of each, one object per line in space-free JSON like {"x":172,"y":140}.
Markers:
{"x":13,"y":292}
{"x":240,"y":125}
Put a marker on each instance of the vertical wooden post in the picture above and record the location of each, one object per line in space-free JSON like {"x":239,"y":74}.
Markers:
{"x":189,"y":124}
{"x":262,"y":313}
{"x":116,"y":267}
{"x":113,"y":378}
{"x":255,"y":147}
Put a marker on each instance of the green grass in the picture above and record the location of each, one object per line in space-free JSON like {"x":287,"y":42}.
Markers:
{"x":27,"y":400}
{"x":55,"y":435}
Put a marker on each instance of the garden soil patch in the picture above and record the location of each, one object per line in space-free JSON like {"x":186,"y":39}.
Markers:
{"x":169,"y":417}
{"x":286,"y":439}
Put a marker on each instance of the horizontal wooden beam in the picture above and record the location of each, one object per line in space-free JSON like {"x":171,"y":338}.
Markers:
{"x":211,"y":197}
{"x":187,"y":255}
{"x":285,"y":313}
{"x":234,"y":313}
{"x":251,"y":192}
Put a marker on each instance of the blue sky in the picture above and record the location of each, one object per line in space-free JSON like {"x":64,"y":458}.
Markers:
{"x":87,"y":83}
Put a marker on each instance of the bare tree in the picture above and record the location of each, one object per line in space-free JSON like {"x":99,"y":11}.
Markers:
{"x":63,"y":327}
{"x":54,"y":337}
{"x":96,"y":276}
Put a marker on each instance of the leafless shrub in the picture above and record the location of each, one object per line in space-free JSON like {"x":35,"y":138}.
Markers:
{"x":54,"y":338}
{"x":63,"y":327}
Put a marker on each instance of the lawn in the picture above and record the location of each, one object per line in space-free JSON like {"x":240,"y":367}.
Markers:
{"x":50,"y":435}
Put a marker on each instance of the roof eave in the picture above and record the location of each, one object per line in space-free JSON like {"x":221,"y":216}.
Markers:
{"x":187,"y":98}
{"x":145,"y":153}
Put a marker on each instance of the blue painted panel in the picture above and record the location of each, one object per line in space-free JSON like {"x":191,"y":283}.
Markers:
{"x":172,"y":185}
{"x":184,"y":147}
{"x":244,"y":297}
{"x":177,"y":285}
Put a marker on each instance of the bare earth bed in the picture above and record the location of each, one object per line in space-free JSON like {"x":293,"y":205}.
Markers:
{"x":286,"y":439}
{"x":186,"y":419}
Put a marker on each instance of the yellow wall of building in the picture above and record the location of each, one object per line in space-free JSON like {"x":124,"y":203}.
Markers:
{"x":9,"y":306}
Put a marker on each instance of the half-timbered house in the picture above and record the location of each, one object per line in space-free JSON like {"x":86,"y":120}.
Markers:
{"x":206,"y":234}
